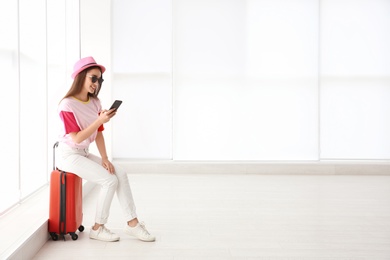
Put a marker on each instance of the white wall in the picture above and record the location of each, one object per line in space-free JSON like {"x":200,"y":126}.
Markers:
{"x":251,"y":80}
{"x":245,"y":90}
{"x":142,"y":78}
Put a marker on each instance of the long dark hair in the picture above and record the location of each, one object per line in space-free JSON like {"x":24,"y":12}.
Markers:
{"x":78,"y":83}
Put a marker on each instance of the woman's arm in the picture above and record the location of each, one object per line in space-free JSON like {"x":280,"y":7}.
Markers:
{"x":80,"y":136}
{"x":101,"y":145}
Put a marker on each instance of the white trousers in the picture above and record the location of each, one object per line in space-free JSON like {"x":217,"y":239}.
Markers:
{"x":89,"y":167}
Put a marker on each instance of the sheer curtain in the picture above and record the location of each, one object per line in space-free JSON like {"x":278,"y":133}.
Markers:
{"x":9,"y":99}
{"x":38,"y":38}
{"x":355,"y":79}
{"x":33,"y":96}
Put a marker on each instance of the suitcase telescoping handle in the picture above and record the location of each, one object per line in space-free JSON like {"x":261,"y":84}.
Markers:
{"x":54,"y":155}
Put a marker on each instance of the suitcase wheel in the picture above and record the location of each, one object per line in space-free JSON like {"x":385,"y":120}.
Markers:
{"x":74,"y":236}
{"x":54,"y":236}
{"x":81,"y":228}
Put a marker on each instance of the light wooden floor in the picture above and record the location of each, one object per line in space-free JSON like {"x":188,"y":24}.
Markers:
{"x":245,"y":217}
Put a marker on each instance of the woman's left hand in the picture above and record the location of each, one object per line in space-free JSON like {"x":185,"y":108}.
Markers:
{"x":108,"y":166}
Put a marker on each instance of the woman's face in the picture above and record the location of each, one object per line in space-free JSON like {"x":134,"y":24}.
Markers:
{"x":92,"y":75}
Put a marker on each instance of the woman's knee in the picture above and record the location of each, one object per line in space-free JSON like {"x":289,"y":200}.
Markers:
{"x":120,"y":173}
{"x":111,"y":181}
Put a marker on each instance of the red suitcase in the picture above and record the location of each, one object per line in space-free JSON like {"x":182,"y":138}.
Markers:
{"x":66,"y":203}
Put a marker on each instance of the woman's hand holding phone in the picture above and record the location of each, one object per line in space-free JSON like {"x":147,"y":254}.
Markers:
{"x":106,"y":115}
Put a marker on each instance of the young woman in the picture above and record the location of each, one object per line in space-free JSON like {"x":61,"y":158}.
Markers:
{"x":83,"y":119}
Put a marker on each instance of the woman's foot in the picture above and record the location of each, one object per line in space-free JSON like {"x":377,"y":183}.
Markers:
{"x":139,"y":231}
{"x":103,"y":234}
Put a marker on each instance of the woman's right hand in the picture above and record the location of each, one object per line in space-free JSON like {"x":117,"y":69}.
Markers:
{"x":106,"y":115}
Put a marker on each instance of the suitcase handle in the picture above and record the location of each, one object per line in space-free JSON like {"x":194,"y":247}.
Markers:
{"x":54,"y":155}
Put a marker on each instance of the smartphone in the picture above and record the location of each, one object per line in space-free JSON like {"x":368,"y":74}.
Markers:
{"x":116,"y":104}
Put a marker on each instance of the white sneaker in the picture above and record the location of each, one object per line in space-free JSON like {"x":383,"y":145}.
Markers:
{"x":140,"y":232}
{"x":103,"y":234}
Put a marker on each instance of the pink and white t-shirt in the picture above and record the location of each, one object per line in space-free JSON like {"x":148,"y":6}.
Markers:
{"x":77,"y":115}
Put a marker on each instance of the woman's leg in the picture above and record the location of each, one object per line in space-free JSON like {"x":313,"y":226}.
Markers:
{"x":124,"y":194}
{"x":133,"y":227}
{"x":125,"y":197}
{"x":90,"y":169}
{"x":123,"y":191}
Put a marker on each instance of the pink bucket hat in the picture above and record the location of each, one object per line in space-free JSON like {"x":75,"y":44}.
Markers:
{"x":85,"y":63}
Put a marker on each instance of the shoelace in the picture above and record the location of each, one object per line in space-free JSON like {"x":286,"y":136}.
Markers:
{"x":106,"y":230}
{"x":142,"y":224}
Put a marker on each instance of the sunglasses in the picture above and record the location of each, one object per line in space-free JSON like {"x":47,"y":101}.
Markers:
{"x":94,"y":79}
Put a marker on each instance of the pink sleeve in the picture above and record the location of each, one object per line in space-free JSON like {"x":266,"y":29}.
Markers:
{"x":70,"y":122}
